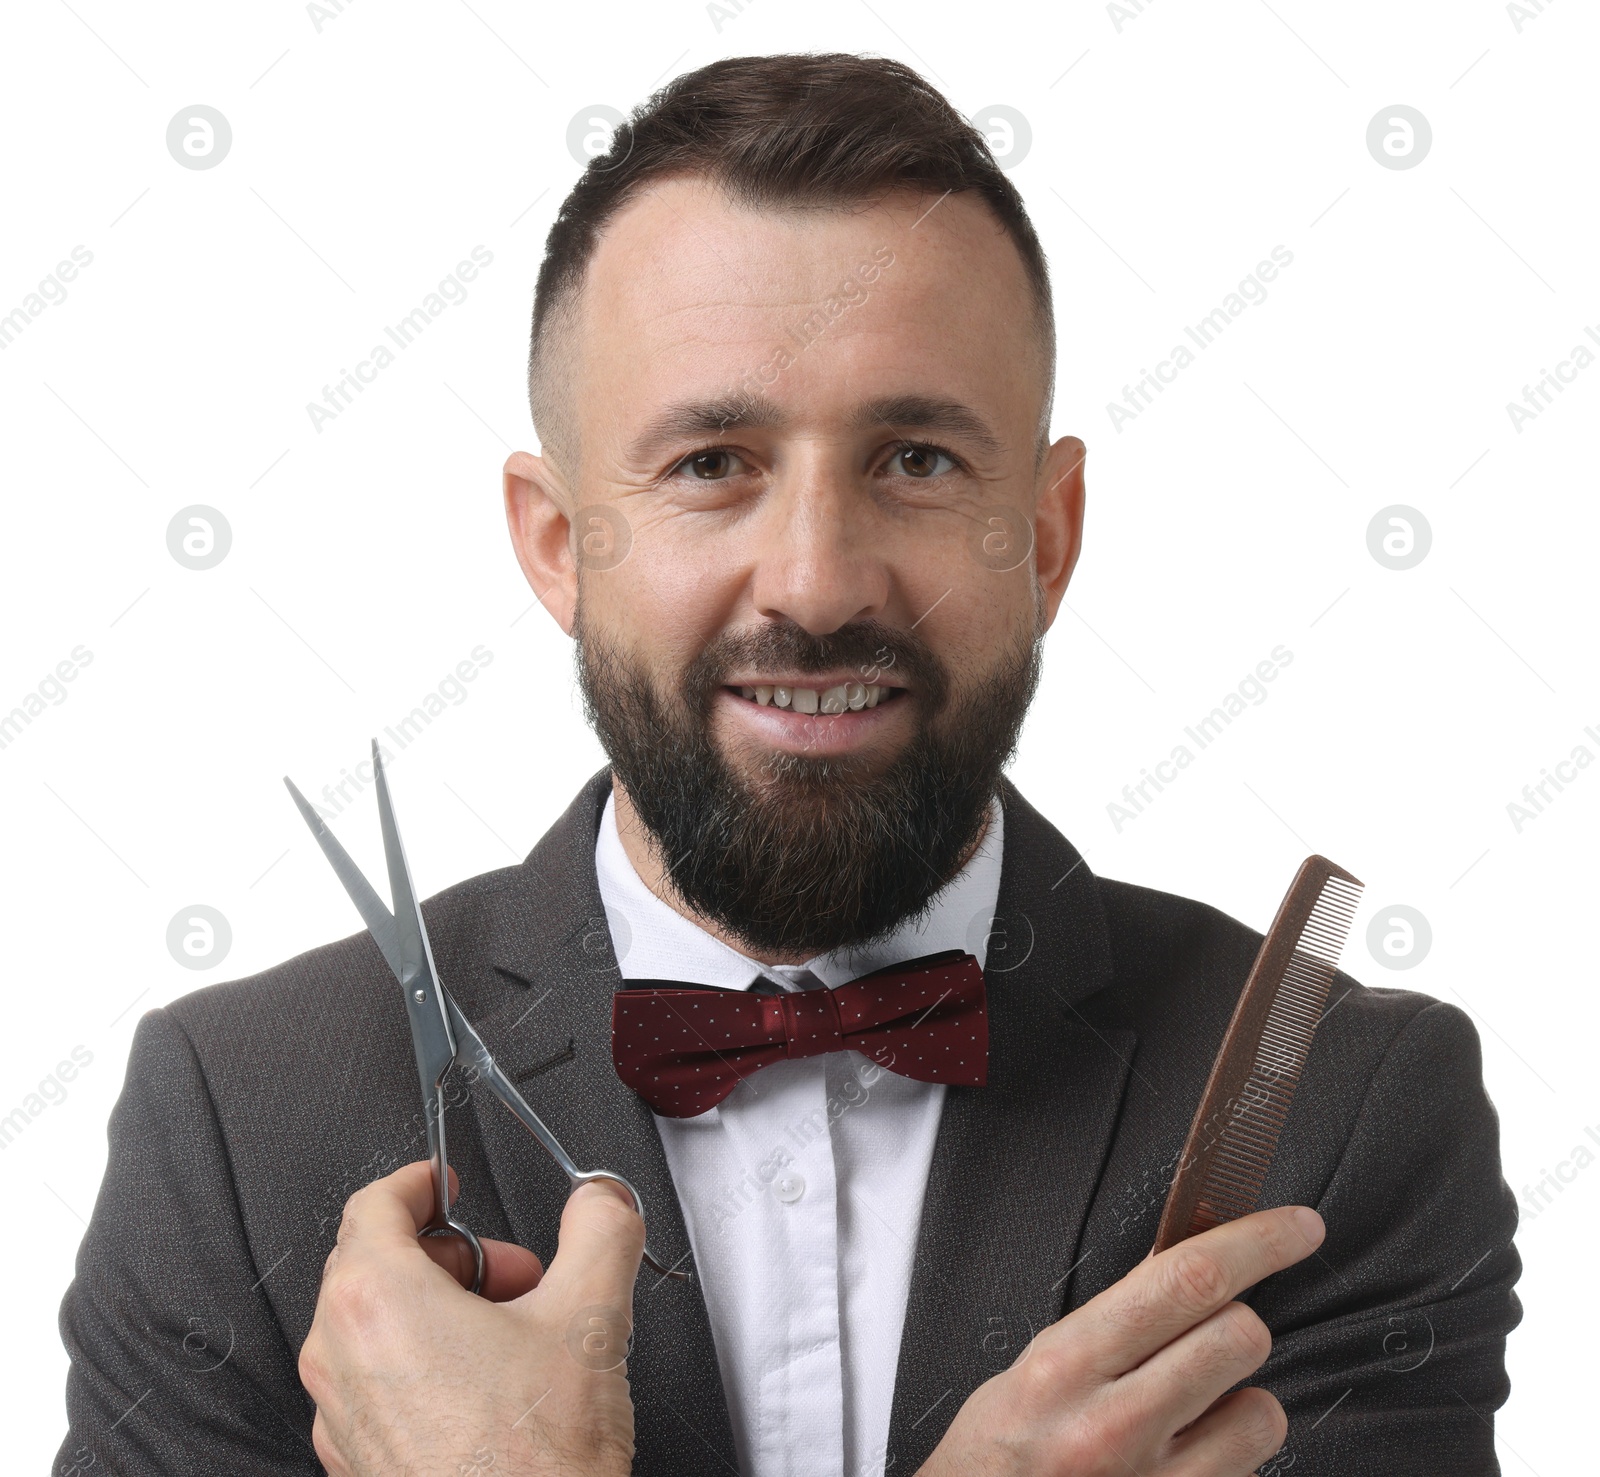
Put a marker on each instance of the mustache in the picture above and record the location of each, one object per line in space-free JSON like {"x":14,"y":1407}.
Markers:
{"x":806,"y":854}
{"x":871,"y":647}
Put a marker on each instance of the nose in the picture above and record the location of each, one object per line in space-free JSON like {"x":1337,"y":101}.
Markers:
{"x":819,"y":561}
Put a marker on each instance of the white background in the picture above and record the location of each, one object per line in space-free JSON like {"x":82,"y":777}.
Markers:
{"x":1171,"y":151}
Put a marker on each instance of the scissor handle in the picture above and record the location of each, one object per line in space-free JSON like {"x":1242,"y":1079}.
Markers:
{"x":455,"y":1228}
{"x":588,"y":1176}
{"x":443,"y":1223}
{"x":471,"y":1048}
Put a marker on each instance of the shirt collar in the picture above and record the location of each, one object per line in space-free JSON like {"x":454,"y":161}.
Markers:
{"x":654,"y":941}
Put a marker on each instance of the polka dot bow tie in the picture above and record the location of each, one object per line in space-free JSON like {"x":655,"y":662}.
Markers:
{"x":683,"y":1049}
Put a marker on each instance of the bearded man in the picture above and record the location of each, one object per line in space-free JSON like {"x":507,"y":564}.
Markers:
{"x":797,"y":505}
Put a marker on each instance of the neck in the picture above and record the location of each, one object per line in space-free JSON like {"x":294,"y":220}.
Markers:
{"x":646,"y":862}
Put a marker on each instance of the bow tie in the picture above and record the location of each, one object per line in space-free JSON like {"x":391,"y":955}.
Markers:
{"x":683,"y":1049}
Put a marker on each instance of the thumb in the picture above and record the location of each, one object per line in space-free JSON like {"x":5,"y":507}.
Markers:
{"x":598,"y":1249}
{"x":509,"y":1270}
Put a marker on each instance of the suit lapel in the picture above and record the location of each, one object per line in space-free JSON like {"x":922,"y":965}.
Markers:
{"x":1016,"y":1162}
{"x":546,"y":970}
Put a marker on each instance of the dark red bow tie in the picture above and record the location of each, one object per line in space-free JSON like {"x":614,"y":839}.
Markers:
{"x":685,"y":1048}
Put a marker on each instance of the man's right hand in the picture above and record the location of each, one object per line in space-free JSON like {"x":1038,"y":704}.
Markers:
{"x":410,"y":1372}
{"x":1130,"y":1381}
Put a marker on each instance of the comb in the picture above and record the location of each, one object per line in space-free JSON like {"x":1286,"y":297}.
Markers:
{"x":1253,"y":1080}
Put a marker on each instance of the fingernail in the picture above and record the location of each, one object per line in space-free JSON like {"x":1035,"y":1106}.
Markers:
{"x":1309,"y":1224}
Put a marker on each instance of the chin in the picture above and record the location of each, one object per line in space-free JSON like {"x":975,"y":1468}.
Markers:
{"x":775,"y":771}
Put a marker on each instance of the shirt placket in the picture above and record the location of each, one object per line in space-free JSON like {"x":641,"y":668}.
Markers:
{"x":780,"y":1133}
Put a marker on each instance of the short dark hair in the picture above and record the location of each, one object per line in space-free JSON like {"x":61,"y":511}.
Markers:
{"x":806,"y":129}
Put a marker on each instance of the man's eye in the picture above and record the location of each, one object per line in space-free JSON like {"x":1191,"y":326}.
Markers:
{"x":921,"y":461}
{"x":710,"y":465}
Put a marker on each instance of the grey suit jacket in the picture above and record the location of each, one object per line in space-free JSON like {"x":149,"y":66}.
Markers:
{"x":253,"y":1108}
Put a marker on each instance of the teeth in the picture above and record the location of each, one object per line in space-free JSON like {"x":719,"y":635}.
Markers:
{"x":844,"y":697}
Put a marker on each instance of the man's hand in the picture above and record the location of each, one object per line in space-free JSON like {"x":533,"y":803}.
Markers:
{"x":412,"y":1373}
{"x":1130,"y":1381}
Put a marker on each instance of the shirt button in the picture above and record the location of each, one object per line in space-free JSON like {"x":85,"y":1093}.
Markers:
{"x":789,"y":1187}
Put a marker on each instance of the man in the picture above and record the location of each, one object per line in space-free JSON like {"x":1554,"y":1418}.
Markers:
{"x":792,"y":366}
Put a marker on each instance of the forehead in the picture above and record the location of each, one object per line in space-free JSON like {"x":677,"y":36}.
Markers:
{"x":688,"y":291}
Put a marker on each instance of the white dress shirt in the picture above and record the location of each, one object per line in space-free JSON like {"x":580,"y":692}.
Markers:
{"x":802,"y":1191}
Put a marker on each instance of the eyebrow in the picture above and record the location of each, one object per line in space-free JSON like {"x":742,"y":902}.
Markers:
{"x":686,"y":419}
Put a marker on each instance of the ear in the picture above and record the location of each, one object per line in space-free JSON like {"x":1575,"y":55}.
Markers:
{"x":1058,"y":520}
{"x":541,"y":533}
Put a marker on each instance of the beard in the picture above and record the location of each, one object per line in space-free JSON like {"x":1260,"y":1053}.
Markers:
{"x":810,"y":853}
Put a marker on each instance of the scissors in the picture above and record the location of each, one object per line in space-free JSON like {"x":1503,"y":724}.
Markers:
{"x":440,"y":1035}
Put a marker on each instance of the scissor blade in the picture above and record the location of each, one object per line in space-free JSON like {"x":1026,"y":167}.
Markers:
{"x":482,"y":1067}
{"x":431,"y":1038}
{"x":379,"y":921}
{"x":410,"y":935}
{"x":425,"y":996}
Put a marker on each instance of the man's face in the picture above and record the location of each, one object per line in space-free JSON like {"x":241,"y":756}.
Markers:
{"x":804,"y":543}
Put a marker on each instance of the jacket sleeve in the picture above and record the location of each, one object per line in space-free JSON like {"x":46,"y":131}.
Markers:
{"x":1389,"y":1342}
{"x":178,"y":1365}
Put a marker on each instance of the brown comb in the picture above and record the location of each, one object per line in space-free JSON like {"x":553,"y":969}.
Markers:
{"x":1235,"y":1130}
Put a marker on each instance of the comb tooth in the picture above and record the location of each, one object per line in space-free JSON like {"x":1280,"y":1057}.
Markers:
{"x":1246,"y":1141}
{"x":1248,"y":1153}
{"x":1240,"y":1182}
{"x":1243,"y":1124}
{"x":1245,"y":1185}
{"x":1243,"y":1147}
{"x":1233,"y":1139}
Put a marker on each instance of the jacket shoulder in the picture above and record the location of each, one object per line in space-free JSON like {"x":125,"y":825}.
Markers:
{"x":1184,"y":959}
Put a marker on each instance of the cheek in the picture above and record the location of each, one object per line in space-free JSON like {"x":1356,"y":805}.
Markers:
{"x":662,"y":598}
{"x":977,"y":565}
{"x":980,"y":617}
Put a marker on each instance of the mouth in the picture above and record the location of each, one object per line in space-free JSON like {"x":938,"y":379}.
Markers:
{"x":813,"y":715}
{"x":813,"y":698}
